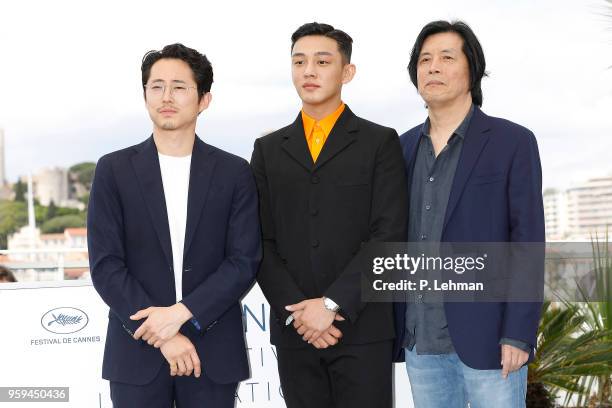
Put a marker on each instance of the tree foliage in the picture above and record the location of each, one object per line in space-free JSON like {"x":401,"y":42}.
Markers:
{"x":83,"y":173}
{"x":59,"y":224}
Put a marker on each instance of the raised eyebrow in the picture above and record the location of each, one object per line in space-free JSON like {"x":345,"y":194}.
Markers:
{"x":298,"y":54}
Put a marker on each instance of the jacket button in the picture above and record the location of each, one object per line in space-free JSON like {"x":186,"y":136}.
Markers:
{"x":315,"y":243}
{"x":314,"y":180}
{"x":314,"y":212}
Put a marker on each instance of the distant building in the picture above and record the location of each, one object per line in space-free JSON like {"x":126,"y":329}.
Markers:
{"x":6,"y":192}
{"x":555,"y":214}
{"x":75,"y":237}
{"x":580,"y":212}
{"x":52,"y":184}
{"x":36,"y":256}
{"x":2,"y":164}
{"x":29,"y":248}
{"x":27,"y":239}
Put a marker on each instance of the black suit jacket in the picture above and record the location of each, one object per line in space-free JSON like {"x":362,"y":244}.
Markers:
{"x":316,"y":216}
{"x":131,"y":257}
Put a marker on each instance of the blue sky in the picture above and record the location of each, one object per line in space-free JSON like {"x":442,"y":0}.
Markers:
{"x":71,"y":72}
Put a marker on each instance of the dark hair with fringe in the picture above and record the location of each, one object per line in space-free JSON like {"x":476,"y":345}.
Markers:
{"x":199,"y":64}
{"x":471,"y":48}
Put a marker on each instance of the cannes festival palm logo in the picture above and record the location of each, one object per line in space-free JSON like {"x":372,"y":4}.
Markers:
{"x":64,"y":320}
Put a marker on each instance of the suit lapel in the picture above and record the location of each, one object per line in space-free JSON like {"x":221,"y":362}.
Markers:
{"x":341,"y":136}
{"x":148,"y":174}
{"x":296,"y":146}
{"x":410,"y":154}
{"x":475,"y":140}
{"x":201,"y":173}
{"x":412,"y":147}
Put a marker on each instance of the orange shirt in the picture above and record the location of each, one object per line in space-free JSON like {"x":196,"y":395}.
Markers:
{"x":317,"y":132}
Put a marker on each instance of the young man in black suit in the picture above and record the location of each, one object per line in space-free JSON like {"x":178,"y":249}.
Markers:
{"x":328,"y":183}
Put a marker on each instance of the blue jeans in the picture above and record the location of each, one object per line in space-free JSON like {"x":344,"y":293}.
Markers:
{"x":443,"y":381}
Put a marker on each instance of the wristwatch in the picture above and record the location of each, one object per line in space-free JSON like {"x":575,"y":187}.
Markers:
{"x":330,"y":305}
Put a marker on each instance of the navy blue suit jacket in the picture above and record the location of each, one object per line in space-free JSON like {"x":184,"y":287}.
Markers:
{"x":131,"y":257}
{"x":496,"y":196}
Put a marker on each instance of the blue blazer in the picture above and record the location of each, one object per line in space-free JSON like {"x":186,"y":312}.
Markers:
{"x":131,"y":257}
{"x":496,"y":196}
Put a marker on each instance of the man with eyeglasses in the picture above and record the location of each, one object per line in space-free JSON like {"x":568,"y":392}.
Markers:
{"x":174,"y":242}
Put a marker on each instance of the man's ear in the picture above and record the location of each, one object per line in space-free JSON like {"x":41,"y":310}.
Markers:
{"x":204,"y":102}
{"x":348,"y":72}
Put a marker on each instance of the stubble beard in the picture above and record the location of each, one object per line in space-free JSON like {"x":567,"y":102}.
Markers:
{"x":168,"y":125}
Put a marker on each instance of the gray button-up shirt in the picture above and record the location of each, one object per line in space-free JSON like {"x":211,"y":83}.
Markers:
{"x":432,"y":179}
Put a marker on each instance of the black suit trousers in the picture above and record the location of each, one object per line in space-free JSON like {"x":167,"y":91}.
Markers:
{"x":341,"y":376}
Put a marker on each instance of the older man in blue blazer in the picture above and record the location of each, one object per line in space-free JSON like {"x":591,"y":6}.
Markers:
{"x":174,"y":242}
{"x":472,"y":178}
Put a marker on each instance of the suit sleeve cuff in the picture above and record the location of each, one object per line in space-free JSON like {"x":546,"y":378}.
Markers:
{"x":516,"y":343}
{"x":196,"y":324}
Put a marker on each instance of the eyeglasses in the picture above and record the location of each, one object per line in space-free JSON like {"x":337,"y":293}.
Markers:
{"x":157,"y":90}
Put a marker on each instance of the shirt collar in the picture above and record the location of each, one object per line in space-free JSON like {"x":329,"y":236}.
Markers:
{"x":460,"y":131}
{"x":327,"y":123}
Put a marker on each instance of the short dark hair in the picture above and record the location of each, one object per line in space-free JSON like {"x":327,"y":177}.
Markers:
{"x":199,"y":64}
{"x":6,"y":275}
{"x":345,"y":42}
{"x":471,"y":48}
